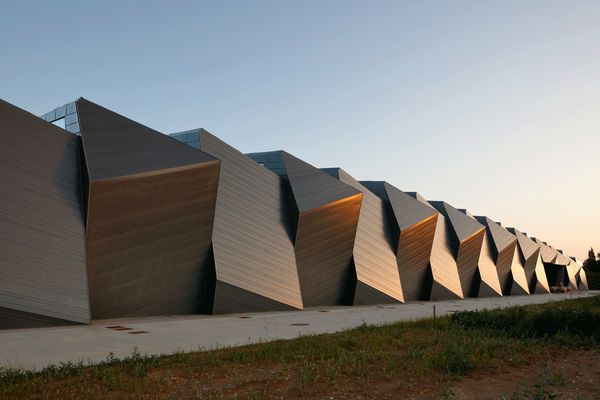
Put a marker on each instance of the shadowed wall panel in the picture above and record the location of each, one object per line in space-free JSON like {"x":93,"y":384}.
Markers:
{"x":254,"y":257}
{"x":378,"y":280}
{"x":556,"y":274}
{"x":413,"y":229}
{"x":503,"y":244}
{"x":446,"y":281}
{"x":583,"y":283}
{"x":489,"y":284}
{"x":467,"y":239}
{"x":149,"y":221}
{"x":42,"y":249}
{"x":444,"y":271}
{"x":535,"y":274}
{"x":328,"y":212}
{"x":518,"y":280}
{"x":572,"y":272}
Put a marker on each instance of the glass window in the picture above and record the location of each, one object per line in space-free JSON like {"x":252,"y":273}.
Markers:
{"x":59,"y":122}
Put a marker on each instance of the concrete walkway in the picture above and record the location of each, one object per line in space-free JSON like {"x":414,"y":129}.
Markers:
{"x":38,"y":348}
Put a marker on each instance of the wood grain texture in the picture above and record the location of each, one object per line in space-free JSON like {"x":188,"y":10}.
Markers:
{"x":444,"y":270}
{"x":412,"y":235}
{"x":535,"y":274}
{"x":489,"y":283}
{"x":378,"y":279}
{"x":467,"y":239}
{"x":327,"y":214}
{"x":518,"y":280}
{"x":503,"y":249}
{"x":253,"y":249}
{"x":42,"y":249}
{"x":151,"y":204}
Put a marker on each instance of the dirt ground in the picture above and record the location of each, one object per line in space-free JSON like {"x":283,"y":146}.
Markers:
{"x":575,"y":375}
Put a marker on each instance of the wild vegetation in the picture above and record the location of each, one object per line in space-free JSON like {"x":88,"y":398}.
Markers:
{"x":592,"y":269}
{"x":422,"y":359}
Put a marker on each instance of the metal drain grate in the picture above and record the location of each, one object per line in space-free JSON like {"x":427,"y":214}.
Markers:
{"x":244,"y":317}
{"x":300,"y":324}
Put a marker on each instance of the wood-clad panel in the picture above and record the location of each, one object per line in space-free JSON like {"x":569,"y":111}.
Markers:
{"x":149,"y":240}
{"x":446,"y":281}
{"x":414,"y":252}
{"x":324,"y":244}
{"x":541,"y":280}
{"x":489,"y":284}
{"x":253,"y":250}
{"x":583,"y":282}
{"x":327,"y":213}
{"x":412,"y":234}
{"x":374,"y":256}
{"x":467,"y":262}
{"x":150,"y":212}
{"x":42,"y":249}
{"x":572,"y":271}
{"x":530,"y":252}
{"x":503,"y":247}
{"x":518,"y":280}
{"x":466,"y":239}
{"x":116,"y":146}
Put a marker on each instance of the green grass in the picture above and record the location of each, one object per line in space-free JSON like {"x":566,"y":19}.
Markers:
{"x":572,"y":321}
{"x":403,"y":353}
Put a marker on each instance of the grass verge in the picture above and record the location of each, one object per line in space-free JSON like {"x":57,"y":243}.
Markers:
{"x":409,"y":357}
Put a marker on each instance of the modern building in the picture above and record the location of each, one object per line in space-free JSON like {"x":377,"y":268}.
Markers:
{"x":103,"y":217}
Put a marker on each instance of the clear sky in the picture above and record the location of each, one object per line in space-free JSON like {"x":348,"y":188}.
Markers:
{"x":490,"y":106}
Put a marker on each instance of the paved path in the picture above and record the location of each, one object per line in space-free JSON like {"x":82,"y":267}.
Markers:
{"x":37,"y":348}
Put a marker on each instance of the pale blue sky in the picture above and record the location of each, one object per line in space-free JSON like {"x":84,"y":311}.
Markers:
{"x":492,"y":106}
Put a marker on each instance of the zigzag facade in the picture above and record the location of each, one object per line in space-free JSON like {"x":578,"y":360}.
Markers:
{"x":103,"y":217}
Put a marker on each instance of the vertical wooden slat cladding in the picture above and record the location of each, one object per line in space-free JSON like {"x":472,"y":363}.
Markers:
{"x":378,"y":280}
{"x":328,"y":213}
{"x":412,"y":235}
{"x":534,"y":271}
{"x":42,"y":249}
{"x":149,"y":221}
{"x":467,"y":239}
{"x":503,"y":247}
{"x":253,"y":251}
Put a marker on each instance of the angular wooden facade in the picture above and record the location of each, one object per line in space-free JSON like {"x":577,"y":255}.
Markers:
{"x":325,"y":218}
{"x":445,"y":280}
{"x":529,"y":251}
{"x":489,"y":284}
{"x":150,"y":210}
{"x":503,"y":245}
{"x":467,"y":239}
{"x":43,"y":277}
{"x":253,"y":249}
{"x":110,"y":219}
{"x":412,"y":233}
{"x":374,"y":255}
